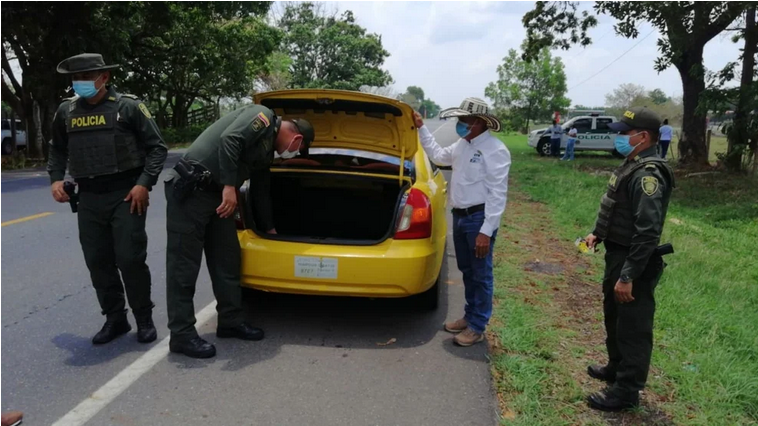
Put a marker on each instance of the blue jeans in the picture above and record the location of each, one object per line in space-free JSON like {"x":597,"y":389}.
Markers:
{"x":477,"y":273}
{"x":569,"y":154}
{"x":555,"y":147}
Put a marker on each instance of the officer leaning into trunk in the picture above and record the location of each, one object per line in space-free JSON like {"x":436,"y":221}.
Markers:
{"x":629,"y":223}
{"x":201,"y":196}
{"x":115,"y":153}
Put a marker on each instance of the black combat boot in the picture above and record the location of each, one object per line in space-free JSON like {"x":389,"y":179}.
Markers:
{"x":614,"y":399}
{"x":243,"y":331}
{"x":146,"y":329}
{"x":112,"y":328}
{"x":193,"y":348}
{"x":602,"y":372}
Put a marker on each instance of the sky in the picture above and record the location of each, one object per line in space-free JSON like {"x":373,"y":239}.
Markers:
{"x":452,"y":50}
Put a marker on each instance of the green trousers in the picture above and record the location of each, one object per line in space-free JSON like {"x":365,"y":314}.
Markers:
{"x":114,"y":240}
{"x":194,"y":227}
{"x":629,"y":326}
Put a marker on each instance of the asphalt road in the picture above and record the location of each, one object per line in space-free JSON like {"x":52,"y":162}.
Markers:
{"x":320,"y":363}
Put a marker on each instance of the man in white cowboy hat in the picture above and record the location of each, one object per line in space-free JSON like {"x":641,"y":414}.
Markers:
{"x":478,"y":190}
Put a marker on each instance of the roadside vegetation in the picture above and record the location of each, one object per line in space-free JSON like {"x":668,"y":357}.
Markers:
{"x":548,"y":319}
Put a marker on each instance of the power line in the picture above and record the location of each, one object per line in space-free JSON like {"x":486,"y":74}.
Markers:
{"x":612,"y":62}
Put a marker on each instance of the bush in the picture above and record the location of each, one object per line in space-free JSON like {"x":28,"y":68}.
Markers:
{"x":184,"y":135}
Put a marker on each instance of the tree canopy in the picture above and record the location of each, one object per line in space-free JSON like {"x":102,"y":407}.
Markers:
{"x":527,"y":91}
{"x":331,"y":51}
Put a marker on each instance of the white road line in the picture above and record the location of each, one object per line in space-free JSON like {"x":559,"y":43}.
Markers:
{"x":92,"y":405}
{"x":440,"y":128}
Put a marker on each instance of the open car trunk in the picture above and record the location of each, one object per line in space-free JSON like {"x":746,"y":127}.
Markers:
{"x":334,"y":208}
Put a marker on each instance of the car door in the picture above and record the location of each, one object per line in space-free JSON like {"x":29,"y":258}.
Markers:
{"x":600,"y":137}
{"x":583,"y":129}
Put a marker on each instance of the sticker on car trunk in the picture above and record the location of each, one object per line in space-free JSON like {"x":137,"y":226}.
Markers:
{"x":315,"y":267}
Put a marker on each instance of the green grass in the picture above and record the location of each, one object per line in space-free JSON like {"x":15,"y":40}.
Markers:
{"x":706,"y":341}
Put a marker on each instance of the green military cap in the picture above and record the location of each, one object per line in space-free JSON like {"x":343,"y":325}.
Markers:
{"x":640,"y":118}
{"x":306,"y":129}
{"x":84,"y":62}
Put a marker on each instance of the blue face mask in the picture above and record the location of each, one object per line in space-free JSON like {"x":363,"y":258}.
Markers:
{"x":85,"y":88}
{"x":622,"y":144}
{"x":462,"y":129}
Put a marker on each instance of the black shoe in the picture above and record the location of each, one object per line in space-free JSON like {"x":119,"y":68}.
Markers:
{"x":193,"y":348}
{"x":111,"y":329}
{"x":146,"y":330}
{"x":242,"y":331}
{"x":613,"y":400}
{"x":601,"y":372}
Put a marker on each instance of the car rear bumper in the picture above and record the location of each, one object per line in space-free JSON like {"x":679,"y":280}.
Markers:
{"x":393,"y":268}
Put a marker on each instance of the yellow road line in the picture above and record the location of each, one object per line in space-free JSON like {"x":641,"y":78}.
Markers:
{"x":24,"y":219}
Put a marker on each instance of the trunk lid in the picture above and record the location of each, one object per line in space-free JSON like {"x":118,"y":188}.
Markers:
{"x":346,"y":119}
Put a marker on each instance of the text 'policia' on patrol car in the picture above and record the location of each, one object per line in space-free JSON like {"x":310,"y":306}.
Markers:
{"x":593,"y":135}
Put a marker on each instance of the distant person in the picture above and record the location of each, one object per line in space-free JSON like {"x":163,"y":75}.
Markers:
{"x":569,"y":154}
{"x":556,"y":133}
{"x":630,"y":223}
{"x":113,"y":149}
{"x":478,"y":192}
{"x":667,"y":133}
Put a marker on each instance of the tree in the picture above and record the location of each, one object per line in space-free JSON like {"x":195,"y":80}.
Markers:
{"x":275,"y":74}
{"x":330,"y":51}
{"x":658,"y":97}
{"x":623,"y":97}
{"x":722,"y":98}
{"x":171,"y":52}
{"x":429,"y":108}
{"x":685,"y":28}
{"x":528,"y":90}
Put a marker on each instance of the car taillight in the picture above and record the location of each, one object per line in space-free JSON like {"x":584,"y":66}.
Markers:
{"x":415,"y":220}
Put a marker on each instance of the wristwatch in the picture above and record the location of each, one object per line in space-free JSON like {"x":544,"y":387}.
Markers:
{"x":625,"y":279}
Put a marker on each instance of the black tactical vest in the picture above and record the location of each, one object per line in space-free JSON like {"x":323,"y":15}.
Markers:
{"x":100,"y":141}
{"x":615,"y":220}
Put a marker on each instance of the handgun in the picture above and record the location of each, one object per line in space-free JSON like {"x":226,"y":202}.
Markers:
{"x":73,"y":197}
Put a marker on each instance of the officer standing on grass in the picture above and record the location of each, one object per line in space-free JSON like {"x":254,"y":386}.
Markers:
{"x":629,"y":223}
{"x":114,"y":152}
{"x":201,"y":196}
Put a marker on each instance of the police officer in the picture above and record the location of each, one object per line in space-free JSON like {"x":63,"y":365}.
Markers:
{"x":629,"y":223}
{"x":114,"y":152}
{"x":201,"y":196}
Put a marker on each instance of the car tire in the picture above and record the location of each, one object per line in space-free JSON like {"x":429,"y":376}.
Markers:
{"x":430,"y":299}
{"x":7,"y":147}
{"x":543,"y":148}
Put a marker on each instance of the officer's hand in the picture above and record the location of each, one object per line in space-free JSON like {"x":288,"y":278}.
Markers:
{"x":482,"y":246}
{"x":140,"y":198}
{"x":591,"y":241}
{"x":623,"y":292}
{"x":228,"y":202}
{"x":58,"y":193}
{"x":271,"y":231}
{"x":418,"y":120}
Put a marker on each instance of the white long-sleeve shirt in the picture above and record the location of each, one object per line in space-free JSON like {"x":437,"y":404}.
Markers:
{"x":480,"y":173}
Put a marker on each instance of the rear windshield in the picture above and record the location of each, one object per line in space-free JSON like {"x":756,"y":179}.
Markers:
{"x":341,"y":159}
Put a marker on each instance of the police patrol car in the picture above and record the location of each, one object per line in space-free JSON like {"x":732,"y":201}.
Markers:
{"x":593,"y":135}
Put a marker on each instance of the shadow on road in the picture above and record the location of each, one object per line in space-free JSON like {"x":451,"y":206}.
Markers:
{"x":84,"y":354}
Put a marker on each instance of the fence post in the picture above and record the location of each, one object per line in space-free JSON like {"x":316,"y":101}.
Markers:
{"x":708,"y":143}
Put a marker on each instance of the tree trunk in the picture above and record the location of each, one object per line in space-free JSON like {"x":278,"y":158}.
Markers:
{"x":692,"y":149}
{"x":738,"y":137}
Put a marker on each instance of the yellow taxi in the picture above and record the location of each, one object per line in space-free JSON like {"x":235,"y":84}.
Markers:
{"x":363,"y":215}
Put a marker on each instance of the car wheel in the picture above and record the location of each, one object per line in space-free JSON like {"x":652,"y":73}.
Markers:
{"x":543,"y":148}
{"x":429,"y":300}
{"x":7,"y":147}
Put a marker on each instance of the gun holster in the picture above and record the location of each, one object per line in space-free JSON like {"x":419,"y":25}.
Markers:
{"x":192,"y":176}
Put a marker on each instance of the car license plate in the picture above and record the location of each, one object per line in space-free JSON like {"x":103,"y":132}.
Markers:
{"x":315,"y":267}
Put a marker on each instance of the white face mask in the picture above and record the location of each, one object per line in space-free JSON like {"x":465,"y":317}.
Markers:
{"x":286,"y":155}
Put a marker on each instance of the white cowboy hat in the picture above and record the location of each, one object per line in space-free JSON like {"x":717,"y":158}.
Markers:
{"x":474,"y":107}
